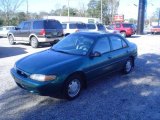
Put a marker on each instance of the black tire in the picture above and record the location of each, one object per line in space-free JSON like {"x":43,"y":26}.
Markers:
{"x":72,"y":87}
{"x":129,"y":65}
{"x":11,"y":40}
{"x":123,"y":34}
{"x":34,"y":42}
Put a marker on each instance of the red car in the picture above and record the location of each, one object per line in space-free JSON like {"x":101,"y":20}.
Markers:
{"x":126,"y":29}
{"x":155,"y":29}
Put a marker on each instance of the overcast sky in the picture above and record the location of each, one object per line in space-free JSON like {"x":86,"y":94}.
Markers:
{"x":127,"y":7}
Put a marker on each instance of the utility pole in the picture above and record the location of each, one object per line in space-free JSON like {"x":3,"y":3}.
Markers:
{"x":27,"y":9}
{"x":68,"y":12}
{"x":141,"y":16}
{"x":159,"y":18}
{"x":101,"y":12}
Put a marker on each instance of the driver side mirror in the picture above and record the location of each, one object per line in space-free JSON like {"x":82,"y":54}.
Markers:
{"x":95,"y":54}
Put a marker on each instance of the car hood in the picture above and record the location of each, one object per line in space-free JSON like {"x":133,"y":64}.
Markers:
{"x":43,"y":62}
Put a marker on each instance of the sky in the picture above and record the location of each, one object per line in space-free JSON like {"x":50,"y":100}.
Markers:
{"x":126,"y":7}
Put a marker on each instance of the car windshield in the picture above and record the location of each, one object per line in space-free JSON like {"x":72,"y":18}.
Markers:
{"x":74,"y":44}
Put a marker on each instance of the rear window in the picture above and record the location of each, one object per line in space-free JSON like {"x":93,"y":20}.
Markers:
{"x":100,"y":27}
{"x":52,"y":24}
{"x":38,"y":25}
{"x":91,"y":26}
{"x":128,"y":26}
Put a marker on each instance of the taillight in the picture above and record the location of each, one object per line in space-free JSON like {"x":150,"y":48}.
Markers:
{"x":42,"y":32}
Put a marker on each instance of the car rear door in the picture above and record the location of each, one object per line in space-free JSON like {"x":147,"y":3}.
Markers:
{"x":119,"y":52}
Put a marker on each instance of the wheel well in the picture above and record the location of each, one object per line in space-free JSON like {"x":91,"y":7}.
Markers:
{"x":122,"y":31}
{"x":132,"y":58}
{"x":66,"y":34}
{"x":82,"y":75}
{"x":31,"y":38}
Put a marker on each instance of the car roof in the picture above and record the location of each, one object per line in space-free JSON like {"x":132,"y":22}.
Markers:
{"x":73,"y":22}
{"x":93,"y":35}
{"x":40,"y":20}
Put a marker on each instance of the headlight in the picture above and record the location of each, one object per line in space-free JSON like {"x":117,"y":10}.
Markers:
{"x":40,"y":77}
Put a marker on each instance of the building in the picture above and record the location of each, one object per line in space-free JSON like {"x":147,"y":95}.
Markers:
{"x":75,"y":19}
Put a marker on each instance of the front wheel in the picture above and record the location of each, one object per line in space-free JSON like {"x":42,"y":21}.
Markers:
{"x":129,"y":66}
{"x":34,"y":42}
{"x":11,"y":40}
{"x":72,"y":87}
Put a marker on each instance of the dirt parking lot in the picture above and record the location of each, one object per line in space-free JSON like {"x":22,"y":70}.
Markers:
{"x":115,"y":97}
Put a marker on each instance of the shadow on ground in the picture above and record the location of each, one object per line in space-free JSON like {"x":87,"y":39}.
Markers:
{"x":134,"y":96}
{"x":11,"y":51}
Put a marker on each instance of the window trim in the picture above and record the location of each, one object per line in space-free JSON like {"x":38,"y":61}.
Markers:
{"x":121,"y":43}
{"x":104,"y":52}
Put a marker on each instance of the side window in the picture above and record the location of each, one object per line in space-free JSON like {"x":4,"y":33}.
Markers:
{"x":72,"y":26}
{"x":117,"y":42}
{"x":20,"y":26}
{"x":38,"y":25}
{"x":118,"y":25}
{"x":64,"y":26}
{"x":26,"y":26}
{"x":102,"y":45}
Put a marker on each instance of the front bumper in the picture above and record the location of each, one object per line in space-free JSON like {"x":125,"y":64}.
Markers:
{"x":51,"y":88}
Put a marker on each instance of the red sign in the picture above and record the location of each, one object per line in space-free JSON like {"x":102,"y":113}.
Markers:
{"x":119,"y":18}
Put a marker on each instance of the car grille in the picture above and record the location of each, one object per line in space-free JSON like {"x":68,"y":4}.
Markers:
{"x":21,"y":73}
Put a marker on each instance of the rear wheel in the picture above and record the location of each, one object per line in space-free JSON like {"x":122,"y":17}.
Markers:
{"x":11,"y":40}
{"x":123,"y":34}
{"x":72,"y":87}
{"x":129,"y":66}
{"x":34,"y":42}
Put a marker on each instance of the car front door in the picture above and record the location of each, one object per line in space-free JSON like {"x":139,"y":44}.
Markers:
{"x":100,"y":64}
{"x":25,"y":31}
{"x":17,"y":32}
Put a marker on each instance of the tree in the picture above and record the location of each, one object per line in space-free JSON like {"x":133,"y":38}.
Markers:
{"x":9,"y":8}
{"x":109,"y":9}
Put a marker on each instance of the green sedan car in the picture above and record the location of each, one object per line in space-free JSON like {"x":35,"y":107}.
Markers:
{"x":65,"y":69}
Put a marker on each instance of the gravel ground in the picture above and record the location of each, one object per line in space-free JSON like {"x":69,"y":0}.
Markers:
{"x":115,"y":97}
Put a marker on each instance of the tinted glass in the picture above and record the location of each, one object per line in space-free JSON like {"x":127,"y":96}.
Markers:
{"x":26,"y":26}
{"x":20,"y":25}
{"x":72,"y":26}
{"x":52,"y":24}
{"x":127,"y":25}
{"x":81,"y":26}
{"x":91,"y":26}
{"x":74,"y":44}
{"x":38,"y":25}
{"x":116,"y":42}
{"x":64,"y":26}
{"x":102,"y":45}
{"x":118,"y":25}
{"x":101,"y":27}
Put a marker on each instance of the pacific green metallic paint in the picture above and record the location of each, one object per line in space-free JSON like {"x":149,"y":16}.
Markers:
{"x":50,"y":62}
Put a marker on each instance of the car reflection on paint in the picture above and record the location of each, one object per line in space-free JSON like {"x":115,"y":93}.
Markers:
{"x":66,"y":68}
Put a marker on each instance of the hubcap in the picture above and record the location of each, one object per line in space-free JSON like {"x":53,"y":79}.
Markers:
{"x":11,"y":39}
{"x":128,"y":66}
{"x":74,"y":87}
{"x":33,"y":42}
